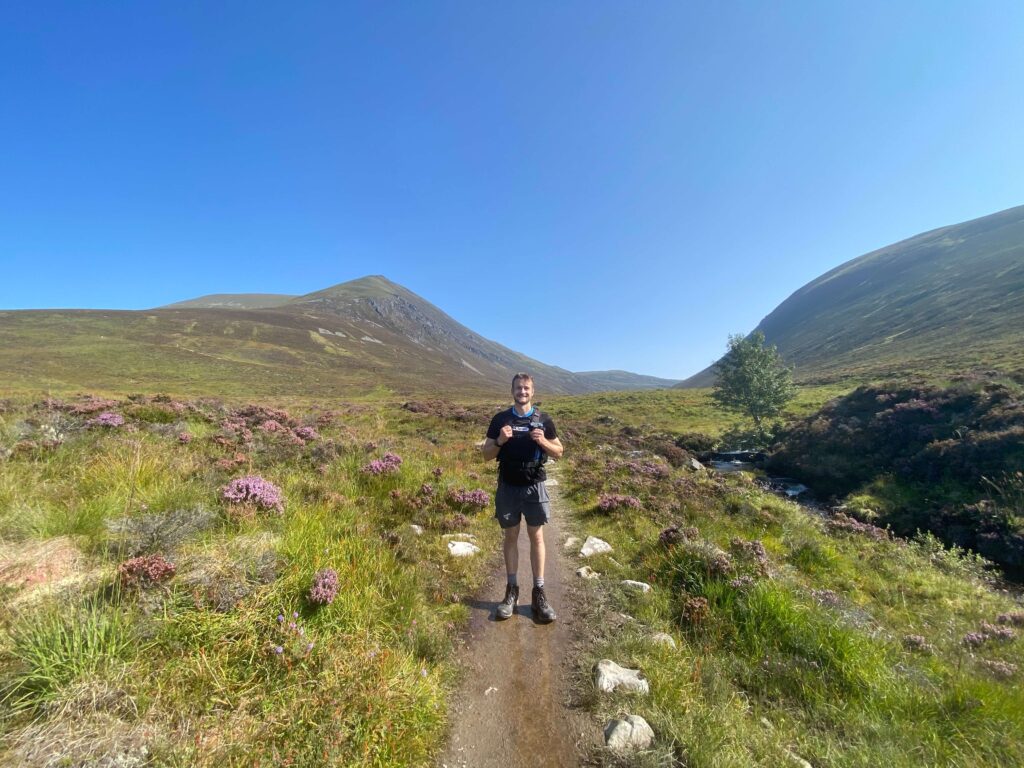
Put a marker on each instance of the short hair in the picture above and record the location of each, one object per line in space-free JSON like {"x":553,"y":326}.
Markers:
{"x":521,"y":376}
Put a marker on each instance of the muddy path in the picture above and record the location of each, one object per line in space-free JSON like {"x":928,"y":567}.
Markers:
{"x":514,"y":705}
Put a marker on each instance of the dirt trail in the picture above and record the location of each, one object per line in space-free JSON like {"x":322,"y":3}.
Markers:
{"x":512,"y":708}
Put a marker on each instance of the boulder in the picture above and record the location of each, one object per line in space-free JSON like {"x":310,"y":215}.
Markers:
{"x":586,"y":572}
{"x":609,"y":676}
{"x":417,"y":529}
{"x":595,"y":546}
{"x":639,"y":586}
{"x":462,"y":548}
{"x":628,"y":735}
{"x":695,"y":465}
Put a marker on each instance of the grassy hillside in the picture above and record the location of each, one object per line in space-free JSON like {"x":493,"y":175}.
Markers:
{"x":156,"y":610}
{"x":944,"y":301}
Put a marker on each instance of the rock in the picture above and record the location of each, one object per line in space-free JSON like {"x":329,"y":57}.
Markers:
{"x":571,"y":543}
{"x":640,"y":586}
{"x":628,"y":735}
{"x":462,"y":549}
{"x":550,"y":482}
{"x":417,"y":529}
{"x":798,"y":761}
{"x":609,"y":676}
{"x":586,"y":572}
{"x":696,"y":465}
{"x":595,"y":546}
{"x":663,"y":638}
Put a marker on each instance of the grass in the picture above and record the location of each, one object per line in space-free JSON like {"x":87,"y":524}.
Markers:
{"x":210,"y":675}
{"x":801,"y":649}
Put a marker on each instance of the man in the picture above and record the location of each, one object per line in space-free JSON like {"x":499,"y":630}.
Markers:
{"x":521,"y":439}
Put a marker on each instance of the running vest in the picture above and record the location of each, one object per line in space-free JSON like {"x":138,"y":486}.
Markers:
{"x":521,"y":461}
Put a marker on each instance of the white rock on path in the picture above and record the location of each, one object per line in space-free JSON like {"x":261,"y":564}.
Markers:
{"x":608,"y":676}
{"x":417,"y":529}
{"x":571,"y":543}
{"x":640,"y":586}
{"x":462,"y":549}
{"x":595,"y":546}
{"x":630,"y":734}
{"x":586,"y":572}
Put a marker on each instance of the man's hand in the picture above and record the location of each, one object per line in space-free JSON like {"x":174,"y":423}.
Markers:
{"x":506,"y":434}
{"x":552,"y":448}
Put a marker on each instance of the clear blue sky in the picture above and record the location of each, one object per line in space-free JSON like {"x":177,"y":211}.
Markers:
{"x":595,"y":184}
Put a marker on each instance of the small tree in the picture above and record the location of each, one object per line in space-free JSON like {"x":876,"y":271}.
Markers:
{"x":751,"y":379}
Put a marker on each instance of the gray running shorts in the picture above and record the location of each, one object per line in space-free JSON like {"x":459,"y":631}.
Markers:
{"x":514,"y":502}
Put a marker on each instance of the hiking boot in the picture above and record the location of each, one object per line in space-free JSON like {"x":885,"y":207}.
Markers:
{"x":542,"y":612}
{"x":508,"y":606}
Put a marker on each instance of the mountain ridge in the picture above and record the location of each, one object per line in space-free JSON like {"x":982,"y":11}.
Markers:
{"x":935,"y":302}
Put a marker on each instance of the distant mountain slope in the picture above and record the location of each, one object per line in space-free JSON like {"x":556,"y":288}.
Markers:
{"x":622,"y":380}
{"x":233,"y":301}
{"x":942,"y":301}
{"x":352,"y":337}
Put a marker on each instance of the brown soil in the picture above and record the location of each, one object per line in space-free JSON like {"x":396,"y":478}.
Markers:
{"x":514,"y":705}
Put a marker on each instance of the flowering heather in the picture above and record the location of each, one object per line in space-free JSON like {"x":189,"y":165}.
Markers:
{"x":324,"y":588}
{"x":695,"y":610}
{"x":107,"y":419}
{"x":437,"y":472}
{"x":671,"y":536}
{"x":255,"y":491}
{"x":742,"y":582}
{"x":145,"y":571}
{"x":974,"y":639}
{"x":426,"y":490}
{"x":998,"y":633}
{"x":609,"y":502}
{"x":306,"y":433}
{"x":92,"y":405}
{"x":270,"y":425}
{"x":1016,"y":618}
{"x":478,"y":498}
{"x":917,"y":643}
{"x":386,"y":464}
{"x":184,"y":438}
{"x":1003,"y":670}
{"x":841,"y":522}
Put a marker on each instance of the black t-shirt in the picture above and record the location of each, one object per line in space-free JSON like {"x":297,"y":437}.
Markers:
{"x":520,"y":460}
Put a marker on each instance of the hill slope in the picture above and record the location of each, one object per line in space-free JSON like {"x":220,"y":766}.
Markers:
{"x":350,"y":338}
{"x":942,"y":301}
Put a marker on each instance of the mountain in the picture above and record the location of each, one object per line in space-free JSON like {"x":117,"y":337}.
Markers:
{"x":944,"y":301}
{"x":349,"y":338}
{"x":233,"y":301}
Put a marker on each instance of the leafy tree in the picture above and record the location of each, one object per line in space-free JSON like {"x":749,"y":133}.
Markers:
{"x":751,"y":379}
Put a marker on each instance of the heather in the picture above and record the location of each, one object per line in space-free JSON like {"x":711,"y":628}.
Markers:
{"x":946,"y":460}
{"x":239,"y":572}
{"x":800,"y":631}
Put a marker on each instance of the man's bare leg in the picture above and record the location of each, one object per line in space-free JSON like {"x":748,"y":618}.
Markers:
{"x":510,"y":548}
{"x":536,"y":534}
{"x":542,"y":611}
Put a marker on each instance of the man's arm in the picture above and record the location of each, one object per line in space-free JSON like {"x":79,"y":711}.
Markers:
{"x":490,"y":449}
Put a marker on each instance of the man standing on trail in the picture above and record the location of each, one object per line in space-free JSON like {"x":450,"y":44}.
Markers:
{"x":521,"y":439}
